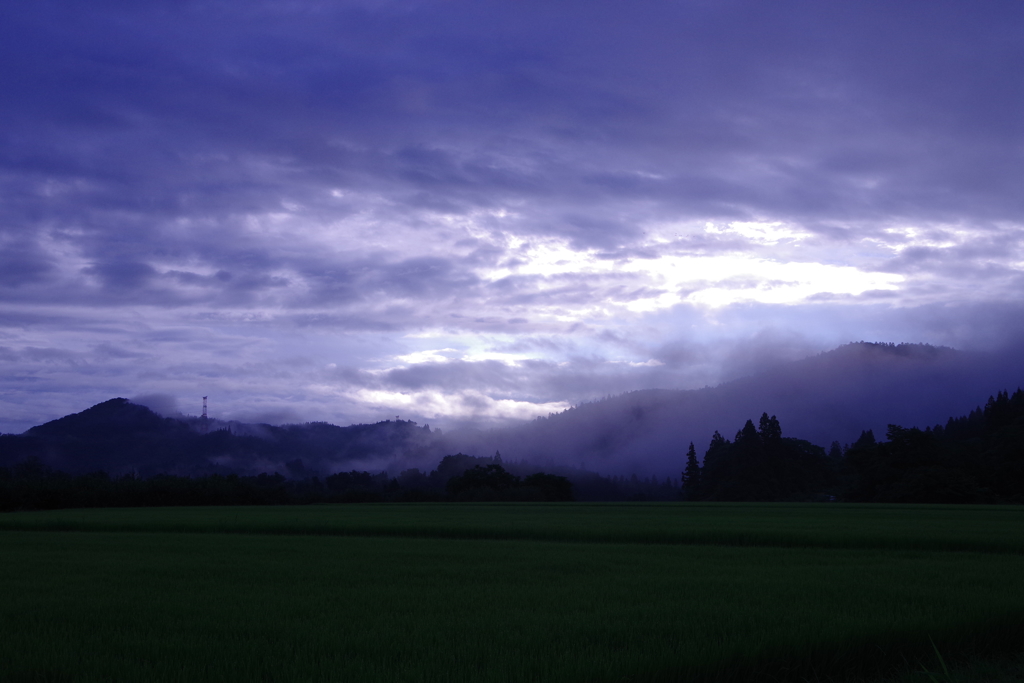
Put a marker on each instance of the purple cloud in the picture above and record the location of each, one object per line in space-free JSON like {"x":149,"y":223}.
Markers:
{"x":579,"y":198}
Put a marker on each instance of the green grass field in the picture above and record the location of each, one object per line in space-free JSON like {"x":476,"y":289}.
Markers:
{"x":506,"y":592}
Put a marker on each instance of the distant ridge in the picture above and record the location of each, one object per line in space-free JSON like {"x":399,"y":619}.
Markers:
{"x":118,"y":415}
{"x":120,"y":437}
{"x":830,"y":396}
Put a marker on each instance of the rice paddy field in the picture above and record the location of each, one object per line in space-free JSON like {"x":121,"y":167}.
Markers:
{"x":511,"y":592}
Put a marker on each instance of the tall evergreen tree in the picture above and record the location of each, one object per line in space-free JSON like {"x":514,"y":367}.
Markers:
{"x":761,"y":465}
{"x":747,"y":435}
{"x":769,"y":429}
{"x":691,"y":475}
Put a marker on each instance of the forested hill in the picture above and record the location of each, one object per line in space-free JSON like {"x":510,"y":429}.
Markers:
{"x":120,"y":437}
{"x":978,"y":458}
{"x":320,"y":461}
{"x":832,"y":396}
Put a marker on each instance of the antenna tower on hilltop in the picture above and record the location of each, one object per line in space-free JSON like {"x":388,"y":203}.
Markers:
{"x":204,"y":423}
{"x":204,"y":407}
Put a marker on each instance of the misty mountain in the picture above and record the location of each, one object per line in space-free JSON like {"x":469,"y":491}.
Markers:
{"x":120,"y":437}
{"x":975,"y":458}
{"x":833,"y":396}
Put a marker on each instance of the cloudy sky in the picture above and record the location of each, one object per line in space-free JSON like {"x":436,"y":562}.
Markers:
{"x":462,"y":210}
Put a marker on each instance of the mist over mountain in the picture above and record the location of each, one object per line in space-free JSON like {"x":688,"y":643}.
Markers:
{"x":119,"y":437}
{"x":831,"y":396}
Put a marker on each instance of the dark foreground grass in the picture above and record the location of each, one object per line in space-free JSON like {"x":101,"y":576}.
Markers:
{"x":131,"y":606}
{"x":902,"y":527}
{"x":936,"y":669}
{"x":506,"y":592}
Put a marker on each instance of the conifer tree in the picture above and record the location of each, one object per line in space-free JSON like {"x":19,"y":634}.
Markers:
{"x":769,"y":429}
{"x":691,"y":475}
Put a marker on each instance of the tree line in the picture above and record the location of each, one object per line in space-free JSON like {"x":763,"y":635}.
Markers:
{"x":31,"y":485}
{"x":215,"y":460}
{"x":977,"y":458}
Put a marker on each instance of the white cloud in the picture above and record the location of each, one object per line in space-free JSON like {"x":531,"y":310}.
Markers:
{"x":451,"y":406}
{"x":715,"y":279}
{"x":427,"y":356}
{"x":758,"y":232}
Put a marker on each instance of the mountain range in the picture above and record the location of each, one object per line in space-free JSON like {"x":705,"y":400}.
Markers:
{"x":833,"y":396}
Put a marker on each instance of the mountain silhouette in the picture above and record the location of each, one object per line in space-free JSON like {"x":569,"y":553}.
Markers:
{"x":119,"y":437}
{"x":832,"y":396}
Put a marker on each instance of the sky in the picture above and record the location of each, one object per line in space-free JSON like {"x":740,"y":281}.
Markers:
{"x":468,"y":212}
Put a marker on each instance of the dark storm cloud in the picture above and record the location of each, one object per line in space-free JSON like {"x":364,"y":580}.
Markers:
{"x":739,"y":108}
